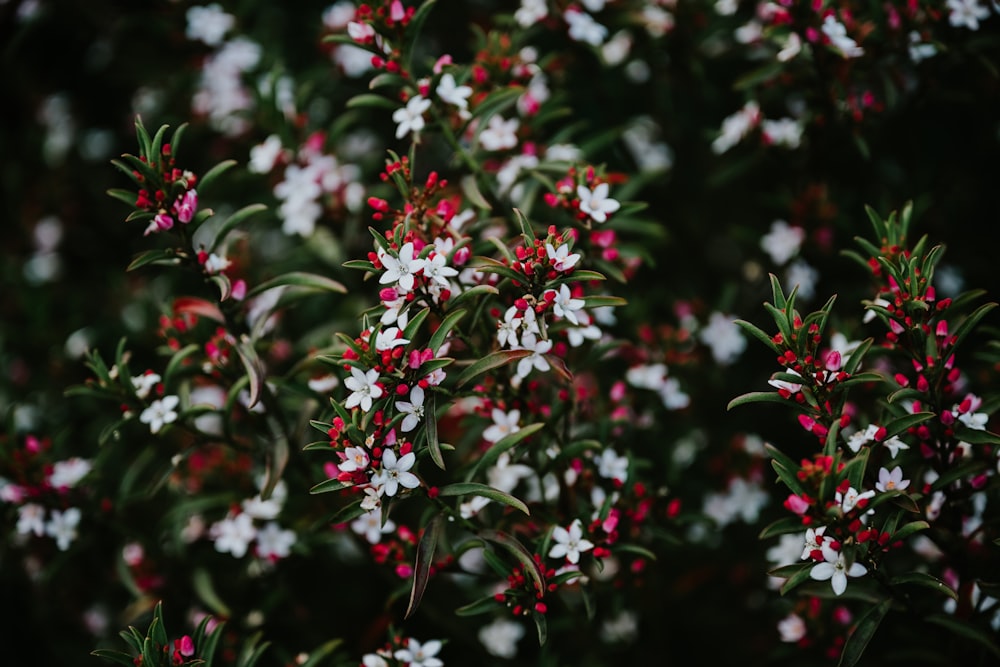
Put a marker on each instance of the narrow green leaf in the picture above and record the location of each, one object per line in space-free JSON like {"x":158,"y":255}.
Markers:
{"x":975,"y":436}
{"x":788,"y":524}
{"x":206,"y":181}
{"x":490,"y":265}
{"x":863,"y":632}
{"x":602,"y":301}
{"x":332,"y":484}
{"x":901,"y":424}
{"x":470,"y":187}
{"x":370,"y":101}
{"x":424,"y":561}
{"x":854,"y":471}
{"x":156,"y":146}
{"x":525,"y":225}
{"x":233,"y":221}
{"x":447,"y":324}
{"x":117,"y":656}
{"x":516,"y":549}
{"x":299,"y":279}
{"x":502,"y":445}
{"x":205,"y":590}
{"x":541,"y":625}
{"x":476,"y":489}
{"x":925,"y":580}
{"x":789,"y":478}
{"x":757,"y":397}
{"x":481,"y":606}
{"x":254,"y":368}
{"x":965,"y":328}
{"x":909,"y":529}
{"x":794,"y":580}
{"x":157,"y":632}
{"x":757,"y":333}
{"x":431,"y":431}
{"x":177,"y":362}
{"x":166,"y":256}
{"x":489,"y":362}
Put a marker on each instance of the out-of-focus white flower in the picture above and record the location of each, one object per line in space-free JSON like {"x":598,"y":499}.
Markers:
{"x":782,"y":242}
{"x":208,"y":24}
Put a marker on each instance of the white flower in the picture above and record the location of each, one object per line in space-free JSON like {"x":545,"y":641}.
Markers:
{"x":369,"y":525}
{"x":363,"y":388}
{"x":504,"y":423}
{"x":564,"y":305}
{"x":801,"y":275}
{"x":967,"y":13}
{"x":724,"y":338}
{"x":395,"y":473}
{"x":500,"y":637}
{"x":356,"y":458}
{"x":413,"y":409}
{"x":531,"y":12}
{"x":894,"y":444}
{"x":596,"y":202}
{"x":66,"y":474}
{"x":612,"y":466}
{"x":216,"y":264}
{"x":233,"y":534}
{"x":791,"y":628}
{"x":386,"y":339}
{"x":452,"y":93}
{"x":400,"y":268}
{"x":258,"y":508}
{"x":159,"y":413}
{"x":506,"y":475}
{"x":144,"y":384}
{"x":835,"y":569}
{"x":891,"y":480}
{"x":560,"y":257}
{"x":264,"y":155}
{"x":373,"y":660}
{"x":499,"y":134}
{"x":850,"y":498}
{"x":537,"y":360}
{"x":411,"y":117}
{"x":736,"y":126}
{"x":31,"y":519}
{"x":583,"y":27}
{"x":274,"y":542}
{"x":570,"y":543}
{"x":436,"y":269}
{"x":813,"y":541}
{"x":420,"y":655}
{"x":785,"y":132}
{"x":507,"y":329}
{"x":673,"y":397}
{"x":61,"y":526}
{"x":839,"y":40}
{"x":791,"y":48}
{"x":208,"y":24}
{"x":920,"y":50}
{"x":790,"y":387}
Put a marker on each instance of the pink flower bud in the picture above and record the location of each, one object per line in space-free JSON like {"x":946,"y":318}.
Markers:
{"x":796,"y":504}
{"x":833,"y":361}
{"x":396,"y":11}
{"x":942,"y":328}
{"x":187,"y":646}
{"x":186,"y":206}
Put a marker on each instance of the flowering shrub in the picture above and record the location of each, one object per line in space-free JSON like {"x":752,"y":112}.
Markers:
{"x":433,"y":312}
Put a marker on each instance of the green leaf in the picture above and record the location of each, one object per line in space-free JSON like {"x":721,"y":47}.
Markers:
{"x":332,"y":484}
{"x":205,"y":590}
{"x":424,"y":561}
{"x":490,"y":265}
{"x":758,"y":333}
{"x":854,"y":471}
{"x":757,"y":397}
{"x":211,"y":643}
{"x":481,"y":606}
{"x":863,"y":632}
{"x":495,"y":103}
{"x":142,"y":136}
{"x":909,"y":529}
{"x":925,"y":580}
{"x":371,"y":100}
{"x":602,"y":301}
{"x":124,"y":196}
{"x":254,"y":368}
{"x":346,"y":513}
{"x":794,"y":580}
{"x":299,"y":279}
{"x":516,"y":549}
{"x":502,"y":445}
{"x":965,"y":328}
{"x":431,"y":431}
{"x":449,"y":322}
{"x":470,"y":187}
{"x":233,"y":221}
{"x":901,"y":424}
{"x":963,"y":469}
{"x":788,"y":524}
{"x":975,"y":436}
{"x":491,"y":361}
{"x":966,"y":631}
{"x":206,"y":181}
{"x":116,"y":656}
{"x":789,"y":478}
{"x":541,"y":625}
{"x":164,"y":257}
{"x":476,"y":489}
